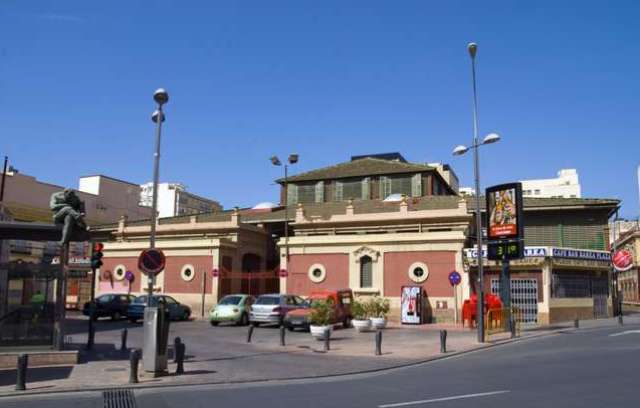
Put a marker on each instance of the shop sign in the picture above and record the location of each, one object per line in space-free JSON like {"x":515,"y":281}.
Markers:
{"x":529,"y":252}
{"x":581,"y":254}
{"x":622,"y":260}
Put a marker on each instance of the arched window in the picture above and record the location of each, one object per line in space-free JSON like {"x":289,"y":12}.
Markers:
{"x":366,"y":272}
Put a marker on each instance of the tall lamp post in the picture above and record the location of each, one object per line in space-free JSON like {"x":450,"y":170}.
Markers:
{"x":293,"y":159}
{"x":460,"y":150}
{"x":161,"y":97}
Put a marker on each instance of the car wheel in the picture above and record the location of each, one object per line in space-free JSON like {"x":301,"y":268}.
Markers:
{"x":186,"y":315}
{"x":133,"y":319}
{"x":244,"y":320}
{"x":214,"y":323}
{"x":255,"y":324}
{"x":290,"y":328}
{"x":116,"y":316}
{"x":346,"y":322}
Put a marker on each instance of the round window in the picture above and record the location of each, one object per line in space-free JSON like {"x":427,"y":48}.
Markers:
{"x":119,"y":272}
{"x":317,"y":273}
{"x":418,"y":272}
{"x":188,"y":273}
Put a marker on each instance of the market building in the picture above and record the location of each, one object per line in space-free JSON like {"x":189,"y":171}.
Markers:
{"x":373,"y":224}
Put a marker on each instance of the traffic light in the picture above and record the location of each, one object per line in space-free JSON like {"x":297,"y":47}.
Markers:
{"x":96,"y":255}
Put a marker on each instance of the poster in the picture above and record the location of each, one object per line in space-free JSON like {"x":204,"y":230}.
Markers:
{"x":504,"y":206}
{"x":411,"y":306}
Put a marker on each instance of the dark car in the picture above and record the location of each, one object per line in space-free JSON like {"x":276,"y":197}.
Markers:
{"x":177,"y":311}
{"x":113,"y":305}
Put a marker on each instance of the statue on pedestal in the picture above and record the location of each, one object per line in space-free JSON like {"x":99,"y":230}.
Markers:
{"x":68,"y":211}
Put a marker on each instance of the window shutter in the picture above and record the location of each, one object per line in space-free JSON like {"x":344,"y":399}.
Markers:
{"x":320,"y":192}
{"x":292,"y":194}
{"x":366,"y":192}
{"x":338,"y":191}
{"x":416,"y":185}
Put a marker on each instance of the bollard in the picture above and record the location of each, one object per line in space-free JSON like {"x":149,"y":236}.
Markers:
{"x":134,"y":360}
{"x":21,"y":380}
{"x":249,"y":333}
{"x":379,"y":342}
{"x":282,"y":343}
{"x":576,"y":324}
{"x":513,"y":329}
{"x":91,"y":336}
{"x":620,"y":321}
{"x":327,"y":339}
{"x":123,"y":339}
{"x":443,"y":341}
{"x":176,"y":345}
{"x":180,"y":353}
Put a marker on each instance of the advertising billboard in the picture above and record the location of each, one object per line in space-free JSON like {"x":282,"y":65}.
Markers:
{"x":504,"y":212}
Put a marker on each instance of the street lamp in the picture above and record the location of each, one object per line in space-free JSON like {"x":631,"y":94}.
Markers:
{"x":160,"y":96}
{"x":458,"y":151}
{"x":293,"y":159}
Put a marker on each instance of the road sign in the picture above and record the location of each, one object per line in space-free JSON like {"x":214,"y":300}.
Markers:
{"x":454,"y":278}
{"x":622,"y":260}
{"x":128,"y":275}
{"x":283,"y":273}
{"x":151,"y":261}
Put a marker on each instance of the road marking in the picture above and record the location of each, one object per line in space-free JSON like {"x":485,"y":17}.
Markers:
{"x":624,"y":333}
{"x":457,"y":397}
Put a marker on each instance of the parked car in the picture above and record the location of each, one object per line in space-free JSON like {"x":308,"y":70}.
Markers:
{"x":177,"y":311}
{"x":232,"y":308}
{"x":113,"y":305}
{"x":272,"y":309}
{"x":340,"y":300}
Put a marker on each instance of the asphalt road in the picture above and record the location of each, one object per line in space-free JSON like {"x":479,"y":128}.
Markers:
{"x":587,"y":368}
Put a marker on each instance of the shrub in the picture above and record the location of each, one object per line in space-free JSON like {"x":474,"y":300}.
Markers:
{"x":359,"y":310}
{"x":379,"y":307}
{"x":321,"y":313}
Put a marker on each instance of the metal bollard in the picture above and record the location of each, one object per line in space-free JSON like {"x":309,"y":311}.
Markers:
{"x":620,"y":320}
{"x":91,"y":335}
{"x":513,"y":328}
{"x":21,"y":380}
{"x":250,"y":333}
{"x":180,"y":353}
{"x":176,"y":345}
{"x":327,"y":340}
{"x":123,"y":339}
{"x":134,"y":361}
{"x":576,"y":324}
{"x":443,"y":341}
{"x":379,"y":342}
{"x":282,"y":334}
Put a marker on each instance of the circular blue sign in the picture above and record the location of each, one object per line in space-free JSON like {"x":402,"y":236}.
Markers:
{"x":455,"y":278}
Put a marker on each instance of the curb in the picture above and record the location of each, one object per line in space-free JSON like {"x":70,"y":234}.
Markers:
{"x":439,"y":357}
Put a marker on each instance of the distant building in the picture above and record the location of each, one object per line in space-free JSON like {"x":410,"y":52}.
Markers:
{"x":174,"y":200}
{"x":566,"y":185}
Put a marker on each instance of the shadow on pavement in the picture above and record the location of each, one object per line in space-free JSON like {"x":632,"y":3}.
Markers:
{"x":36,"y":374}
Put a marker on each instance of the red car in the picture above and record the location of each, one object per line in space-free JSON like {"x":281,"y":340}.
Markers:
{"x":341,"y":301}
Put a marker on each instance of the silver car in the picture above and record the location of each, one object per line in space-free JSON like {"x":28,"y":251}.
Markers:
{"x":272,"y":309}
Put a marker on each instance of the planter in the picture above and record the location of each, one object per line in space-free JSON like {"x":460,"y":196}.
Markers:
{"x":378,"y":322}
{"x":361,"y":325}
{"x":320,"y":332}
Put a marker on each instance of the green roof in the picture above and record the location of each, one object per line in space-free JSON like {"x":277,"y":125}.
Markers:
{"x":359,"y":168}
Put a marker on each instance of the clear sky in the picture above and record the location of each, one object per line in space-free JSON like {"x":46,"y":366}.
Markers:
{"x":326,"y":79}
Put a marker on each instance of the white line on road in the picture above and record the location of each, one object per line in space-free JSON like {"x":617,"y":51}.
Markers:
{"x":624,"y":333}
{"x":457,"y":397}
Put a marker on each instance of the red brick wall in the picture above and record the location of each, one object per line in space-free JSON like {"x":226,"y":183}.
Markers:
{"x":131,"y":263}
{"x":396,"y":271}
{"x":336,"y":265}
{"x":173,"y":282}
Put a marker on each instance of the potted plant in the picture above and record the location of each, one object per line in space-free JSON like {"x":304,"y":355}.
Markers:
{"x":360,"y":314}
{"x":379,"y":311}
{"x":320,"y":319}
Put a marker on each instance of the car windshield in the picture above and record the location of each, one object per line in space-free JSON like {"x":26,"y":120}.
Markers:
{"x":268,"y":300}
{"x":104,"y":299}
{"x":230,"y":300}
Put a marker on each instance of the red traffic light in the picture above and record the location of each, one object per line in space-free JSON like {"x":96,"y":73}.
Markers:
{"x":98,"y":247}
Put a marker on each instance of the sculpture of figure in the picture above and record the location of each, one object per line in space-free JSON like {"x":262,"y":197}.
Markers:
{"x":68,"y":211}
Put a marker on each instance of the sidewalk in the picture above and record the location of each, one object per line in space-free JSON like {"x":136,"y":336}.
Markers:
{"x":221,"y":354}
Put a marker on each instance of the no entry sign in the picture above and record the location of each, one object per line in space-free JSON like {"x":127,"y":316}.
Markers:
{"x":151,"y":261}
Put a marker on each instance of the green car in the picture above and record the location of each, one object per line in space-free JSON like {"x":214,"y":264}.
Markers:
{"x":232,"y":308}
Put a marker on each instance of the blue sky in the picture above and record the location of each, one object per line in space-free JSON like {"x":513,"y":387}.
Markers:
{"x":326,"y":79}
